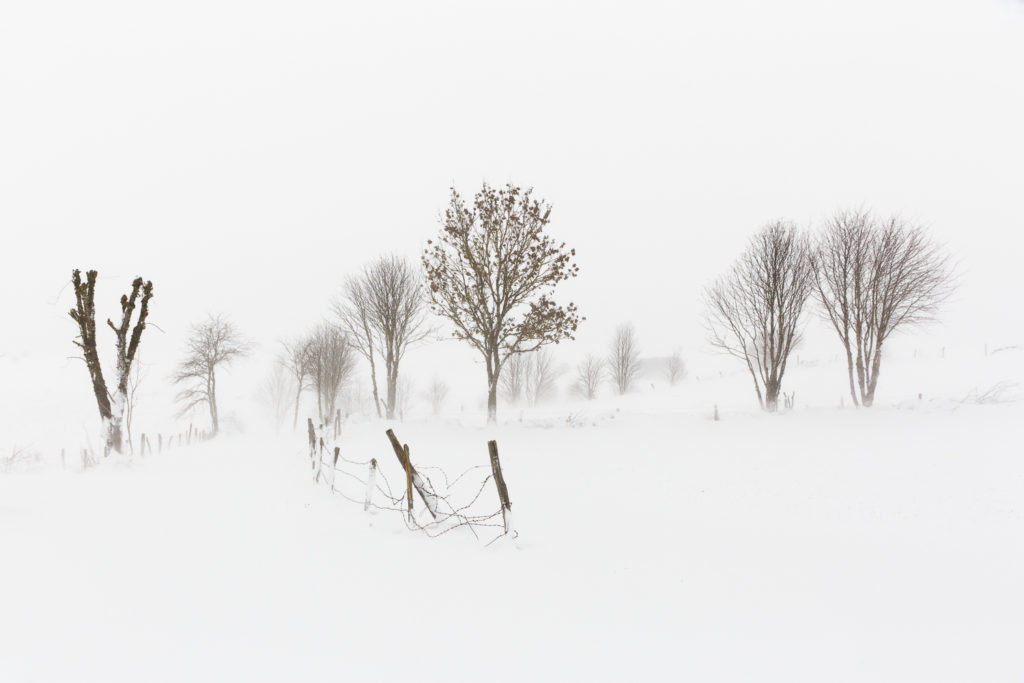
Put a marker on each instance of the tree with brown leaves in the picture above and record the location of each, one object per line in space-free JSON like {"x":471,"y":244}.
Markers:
{"x":492,"y":272}
{"x":111,"y":405}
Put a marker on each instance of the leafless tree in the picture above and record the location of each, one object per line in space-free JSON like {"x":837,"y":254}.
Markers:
{"x":331,"y":362}
{"x":873,"y":277}
{"x":676,"y":368}
{"x":753,"y":313}
{"x":213,"y":344}
{"x":513,"y":378}
{"x":588,"y":376}
{"x":541,"y":375}
{"x":276,"y":391}
{"x":111,"y":405}
{"x":624,"y":358}
{"x":384,"y":313}
{"x":295,"y":357}
{"x":438,"y":394}
{"x":492,"y":271}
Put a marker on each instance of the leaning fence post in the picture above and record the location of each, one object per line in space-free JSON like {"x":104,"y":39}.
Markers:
{"x":428,"y":496}
{"x":370,"y":483}
{"x":408,"y":478}
{"x":499,"y":481}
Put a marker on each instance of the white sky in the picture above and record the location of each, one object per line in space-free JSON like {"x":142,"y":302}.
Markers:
{"x":246,"y":156}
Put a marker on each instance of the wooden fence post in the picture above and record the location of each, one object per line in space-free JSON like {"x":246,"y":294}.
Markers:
{"x":62,"y":463}
{"x":428,"y":496}
{"x":408,"y":478}
{"x":371,"y":481}
{"x":312,"y":441}
{"x":499,"y":481}
{"x":160,"y":443}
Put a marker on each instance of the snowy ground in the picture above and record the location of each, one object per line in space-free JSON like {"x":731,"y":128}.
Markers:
{"x":655,"y":544}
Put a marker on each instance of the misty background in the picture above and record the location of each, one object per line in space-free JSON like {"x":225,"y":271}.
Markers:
{"x":246,"y":157}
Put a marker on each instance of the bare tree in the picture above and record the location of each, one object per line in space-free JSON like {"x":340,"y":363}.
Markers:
{"x":873,"y":277}
{"x":213,"y":344}
{"x":491,"y":273}
{"x":276,"y":391}
{"x":331,"y":362}
{"x":753,"y":313}
{"x":624,"y":358}
{"x":588,"y":376}
{"x":296,"y":359}
{"x":541,"y":375}
{"x":111,"y":406}
{"x":676,"y":368}
{"x":513,"y":378}
{"x":438,"y":394}
{"x":384,"y":313}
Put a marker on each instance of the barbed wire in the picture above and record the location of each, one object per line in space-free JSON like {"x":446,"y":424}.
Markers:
{"x":447,"y":516}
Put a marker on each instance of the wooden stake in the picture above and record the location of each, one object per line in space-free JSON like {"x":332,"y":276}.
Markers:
{"x":499,"y":481}
{"x":408,"y":478}
{"x":371,"y":481}
{"x":429,"y":499}
{"x":160,"y":443}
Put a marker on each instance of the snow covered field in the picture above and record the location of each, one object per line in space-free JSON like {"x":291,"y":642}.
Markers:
{"x":655,"y":544}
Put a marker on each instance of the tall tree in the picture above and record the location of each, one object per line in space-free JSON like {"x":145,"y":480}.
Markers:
{"x":873,"y":277}
{"x":753,"y":313}
{"x":383,"y":311}
{"x":492,"y":271}
{"x":111,"y":406}
{"x":296,"y":358}
{"x":213,"y":343}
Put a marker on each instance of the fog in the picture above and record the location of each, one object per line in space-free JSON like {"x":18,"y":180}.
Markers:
{"x":247,"y":156}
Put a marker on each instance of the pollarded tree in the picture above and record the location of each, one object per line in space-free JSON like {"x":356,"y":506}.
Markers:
{"x":492,"y":272}
{"x":753,"y":313}
{"x":111,"y":405}
{"x":383,"y":313}
{"x":213,"y":344}
{"x":873,"y":277}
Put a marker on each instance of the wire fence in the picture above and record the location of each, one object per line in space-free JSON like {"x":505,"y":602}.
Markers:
{"x":460,"y":504}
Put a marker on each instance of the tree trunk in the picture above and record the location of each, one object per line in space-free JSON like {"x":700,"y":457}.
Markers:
{"x":391,"y":368}
{"x":298,"y":396}
{"x":876,"y":362}
{"x":492,"y":389}
{"x":771,"y":396}
{"x":849,"y":371}
{"x":213,"y":404}
{"x":373,"y":380}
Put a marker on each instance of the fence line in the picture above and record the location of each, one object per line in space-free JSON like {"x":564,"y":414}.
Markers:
{"x":327,"y":458}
